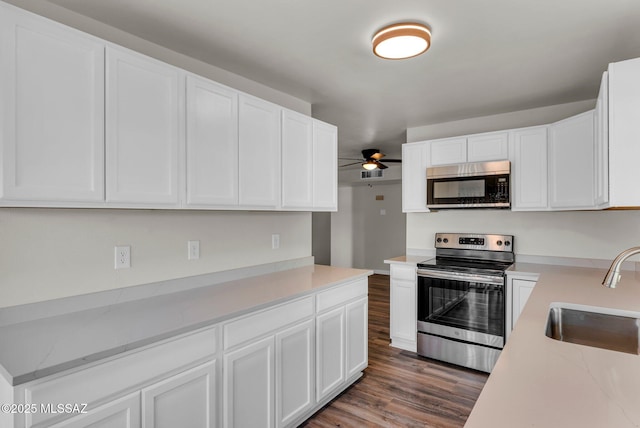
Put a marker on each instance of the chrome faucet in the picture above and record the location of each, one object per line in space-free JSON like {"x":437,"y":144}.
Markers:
{"x":613,"y":274}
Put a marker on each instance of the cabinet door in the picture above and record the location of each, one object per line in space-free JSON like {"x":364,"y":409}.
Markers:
{"x":521,"y":291}
{"x":297,"y":161}
{"x":448,"y":151}
{"x":259,"y":155}
{"x":249,"y":386}
{"x":330,"y":352}
{"x":601,"y":138}
{"x":52,"y":108}
{"x":325,"y":166}
{"x":571,"y":175}
{"x":121,"y":413}
{"x":143,"y":121}
{"x":403,"y":306}
{"x":294,"y":372}
{"x":187,"y":399}
{"x":212,"y":144}
{"x":488,"y":147}
{"x":356,"y":337}
{"x":529,"y":169}
{"x":414,"y":177}
{"x":624,"y":133}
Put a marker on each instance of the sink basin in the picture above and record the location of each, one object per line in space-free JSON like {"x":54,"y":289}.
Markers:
{"x":597,"y":327}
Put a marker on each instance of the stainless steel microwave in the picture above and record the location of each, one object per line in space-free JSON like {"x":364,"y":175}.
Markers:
{"x":469,"y":185}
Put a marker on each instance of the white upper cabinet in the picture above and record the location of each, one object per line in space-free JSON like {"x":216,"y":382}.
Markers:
{"x":571,"y":173}
{"x":471,"y":148}
{"x":488,"y":147}
{"x":143,"y":129}
{"x":529,"y":169}
{"x":448,"y":151}
{"x":212,"y":144}
{"x":325,"y":166}
{"x":601,"y":139}
{"x":309,"y":163}
{"x":414,"y":177}
{"x":52,"y":103}
{"x":259,"y":153}
{"x":297,"y":160}
{"x":624,"y":133}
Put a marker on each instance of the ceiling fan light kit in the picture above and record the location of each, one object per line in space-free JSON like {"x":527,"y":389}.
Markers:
{"x":370,"y":164}
{"x":401,"y":41}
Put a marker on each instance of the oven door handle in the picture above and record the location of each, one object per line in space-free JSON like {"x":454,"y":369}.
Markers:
{"x":460,"y":276}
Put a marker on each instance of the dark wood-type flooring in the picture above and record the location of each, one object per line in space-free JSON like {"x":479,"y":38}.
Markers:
{"x":399,"y":388}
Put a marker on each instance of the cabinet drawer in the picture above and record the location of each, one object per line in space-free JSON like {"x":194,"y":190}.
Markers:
{"x":406,"y":273}
{"x":261,"y":323}
{"x":104,"y":381}
{"x":342,"y":294}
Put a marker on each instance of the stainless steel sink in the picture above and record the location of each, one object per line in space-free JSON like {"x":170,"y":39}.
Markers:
{"x":598,"y":327}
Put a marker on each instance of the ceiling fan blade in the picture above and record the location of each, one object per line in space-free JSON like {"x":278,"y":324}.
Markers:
{"x":372,"y":154}
{"x":381,"y":165}
{"x":353,"y":163}
{"x":393,"y":160}
{"x":353,"y":159}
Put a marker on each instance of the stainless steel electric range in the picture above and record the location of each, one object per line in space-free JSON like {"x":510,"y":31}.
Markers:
{"x":461,"y":299}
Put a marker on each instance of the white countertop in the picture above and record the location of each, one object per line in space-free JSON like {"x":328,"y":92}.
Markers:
{"x":408,"y":260}
{"x":541,"y":382}
{"x":41,"y":347}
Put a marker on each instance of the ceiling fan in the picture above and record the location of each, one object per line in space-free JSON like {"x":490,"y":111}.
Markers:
{"x":371,"y":160}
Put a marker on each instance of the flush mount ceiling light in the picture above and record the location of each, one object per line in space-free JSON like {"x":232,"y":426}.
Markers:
{"x":400,"y":41}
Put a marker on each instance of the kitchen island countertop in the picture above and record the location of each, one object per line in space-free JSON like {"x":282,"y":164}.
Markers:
{"x":37,"y":348}
{"x":541,"y":382}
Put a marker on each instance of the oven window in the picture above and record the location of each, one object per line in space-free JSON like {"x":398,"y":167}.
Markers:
{"x":467,"y":305}
{"x":458,"y":189}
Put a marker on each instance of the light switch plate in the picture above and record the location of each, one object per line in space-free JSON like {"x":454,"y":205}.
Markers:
{"x":275,"y":241}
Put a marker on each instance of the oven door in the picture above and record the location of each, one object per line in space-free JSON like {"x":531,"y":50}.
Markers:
{"x":464,"y":307}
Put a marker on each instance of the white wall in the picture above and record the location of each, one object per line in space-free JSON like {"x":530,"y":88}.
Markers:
{"x":321,"y":237}
{"x":51,"y":253}
{"x":342,"y":229}
{"x":377,"y":236}
{"x":582,"y":234}
{"x":47,"y":254}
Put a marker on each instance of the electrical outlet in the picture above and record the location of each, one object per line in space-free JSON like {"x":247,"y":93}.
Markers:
{"x":122,"y":257}
{"x":193,"y":250}
{"x":275,"y":241}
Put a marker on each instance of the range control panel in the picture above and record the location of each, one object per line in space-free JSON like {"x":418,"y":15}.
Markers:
{"x":474,"y":241}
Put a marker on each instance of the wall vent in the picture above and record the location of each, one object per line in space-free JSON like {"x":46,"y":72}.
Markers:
{"x":374,"y":173}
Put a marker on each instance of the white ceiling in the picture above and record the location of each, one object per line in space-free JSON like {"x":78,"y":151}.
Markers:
{"x":488,"y":57}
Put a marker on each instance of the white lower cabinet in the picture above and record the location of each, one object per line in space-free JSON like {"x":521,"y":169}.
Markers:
{"x":186,"y":399}
{"x":270,"y":368}
{"x":356,"y":337}
{"x":330,"y":341}
{"x":152,"y":387}
{"x":249,"y":385}
{"x":341,"y":337}
{"x":295,"y":377}
{"x":403,"y":307}
{"x":121,"y":413}
{"x":519,"y":288}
